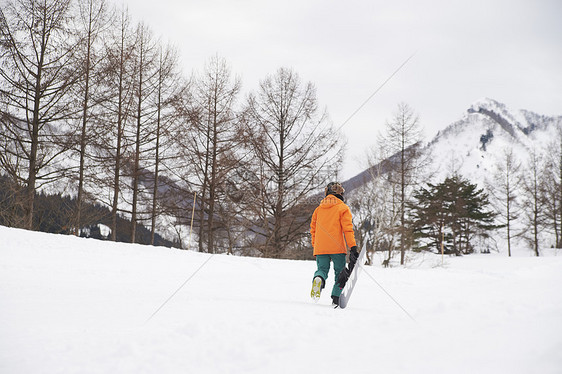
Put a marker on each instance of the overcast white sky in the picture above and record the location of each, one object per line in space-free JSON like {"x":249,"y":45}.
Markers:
{"x":508,"y":50}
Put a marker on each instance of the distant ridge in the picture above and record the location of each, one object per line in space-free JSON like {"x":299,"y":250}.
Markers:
{"x":477,"y":139}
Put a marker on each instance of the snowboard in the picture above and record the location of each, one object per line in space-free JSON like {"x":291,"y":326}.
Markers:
{"x":348,"y":288}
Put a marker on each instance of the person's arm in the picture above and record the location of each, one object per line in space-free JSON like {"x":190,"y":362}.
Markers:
{"x":347,"y":228}
{"x":313,"y":227}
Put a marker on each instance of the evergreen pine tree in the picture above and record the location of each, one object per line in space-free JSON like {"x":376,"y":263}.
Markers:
{"x":454,"y":211}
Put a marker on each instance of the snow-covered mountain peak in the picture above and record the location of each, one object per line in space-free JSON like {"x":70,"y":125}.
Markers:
{"x":475,"y":144}
{"x":513,"y":122}
{"x":488,"y":104}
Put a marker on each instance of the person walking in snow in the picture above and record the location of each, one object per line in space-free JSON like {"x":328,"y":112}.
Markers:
{"x":331,"y":228}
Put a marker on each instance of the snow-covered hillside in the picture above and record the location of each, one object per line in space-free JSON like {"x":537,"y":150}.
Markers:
{"x":476,"y":147}
{"x":475,"y":144}
{"x":71,"y":305}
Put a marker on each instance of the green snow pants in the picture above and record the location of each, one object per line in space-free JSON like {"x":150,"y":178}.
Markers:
{"x":323,"y":263}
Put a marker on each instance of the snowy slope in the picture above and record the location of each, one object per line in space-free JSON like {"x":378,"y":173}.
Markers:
{"x":475,"y":147}
{"x":475,"y":144}
{"x":71,"y":305}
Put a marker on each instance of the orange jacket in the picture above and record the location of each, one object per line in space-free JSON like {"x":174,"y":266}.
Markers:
{"x":331,"y":227}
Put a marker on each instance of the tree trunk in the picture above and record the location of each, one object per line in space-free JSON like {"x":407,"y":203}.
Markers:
{"x":212,"y":184}
{"x":156,"y":166}
{"x":120,"y":128}
{"x":77,"y":224}
{"x":32,"y":176}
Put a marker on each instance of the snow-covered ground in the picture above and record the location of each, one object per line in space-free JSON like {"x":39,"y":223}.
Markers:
{"x":71,"y":305}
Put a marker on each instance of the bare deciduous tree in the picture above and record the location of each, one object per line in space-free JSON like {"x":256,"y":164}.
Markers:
{"x":401,"y":143}
{"x":210,"y":147}
{"x":532,"y":181}
{"x":93,"y":20}
{"x":169,"y":90}
{"x":36,"y":75}
{"x":117,"y":83}
{"x":145,"y":75}
{"x":376,"y":209}
{"x":504,"y":188}
{"x":552,"y":188}
{"x":293,"y":147}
